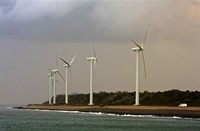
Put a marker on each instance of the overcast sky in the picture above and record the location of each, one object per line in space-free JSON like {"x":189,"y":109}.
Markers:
{"x":34,"y":31}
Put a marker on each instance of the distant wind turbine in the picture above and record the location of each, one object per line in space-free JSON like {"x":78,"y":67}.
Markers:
{"x":93,"y":61}
{"x":50,"y":76}
{"x":68,"y":69}
{"x":139,"y":49}
{"x":55,"y":71}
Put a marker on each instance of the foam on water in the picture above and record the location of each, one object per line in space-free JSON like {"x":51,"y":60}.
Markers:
{"x":61,"y":111}
{"x":112,"y":114}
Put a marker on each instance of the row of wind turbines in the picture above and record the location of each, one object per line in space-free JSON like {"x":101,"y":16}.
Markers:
{"x":139,"y":50}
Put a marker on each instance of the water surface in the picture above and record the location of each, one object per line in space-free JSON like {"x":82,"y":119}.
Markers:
{"x":35,"y":120}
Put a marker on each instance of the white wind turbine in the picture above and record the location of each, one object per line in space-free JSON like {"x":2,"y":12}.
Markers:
{"x":50,"y":76}
{"x":54,"y":72}
{"x":68,"y":69}
{"x":93,"y":61}
{"x":139,"y":49}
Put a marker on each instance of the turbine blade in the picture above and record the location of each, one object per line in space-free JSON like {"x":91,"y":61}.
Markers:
{"x":94,"y":50}
{"x":137,"y":44}
{"x":65,"y":61}
{"x":72,"y":60}
{"x":131,"y":45}
{"x":49,"y":70}
{"x":57,"y":61}
{"x":57,"y":81}
{"x":144,"y":39}
{"x":61,"y":76}
{"x":145,"y":72}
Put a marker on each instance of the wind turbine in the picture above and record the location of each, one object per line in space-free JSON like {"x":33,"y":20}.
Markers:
{"x":139,"y":49}
{"x":54,"y":72}
{"x":68,"y":68}
{"x":50,"y":76}
{"x":93,"y":61}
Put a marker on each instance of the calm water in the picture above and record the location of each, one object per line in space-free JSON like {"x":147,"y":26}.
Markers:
{"x":32,"y":120}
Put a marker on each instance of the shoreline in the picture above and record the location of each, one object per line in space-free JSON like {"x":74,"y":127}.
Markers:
{"x":184,"y":112}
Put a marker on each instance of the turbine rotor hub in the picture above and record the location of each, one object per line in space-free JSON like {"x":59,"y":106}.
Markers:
{"x":137,"y":49}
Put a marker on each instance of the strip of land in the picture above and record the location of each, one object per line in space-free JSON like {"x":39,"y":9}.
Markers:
{"x":190,"y":112}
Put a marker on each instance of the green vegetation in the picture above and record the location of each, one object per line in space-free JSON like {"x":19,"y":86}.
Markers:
{"x":166,"y":98}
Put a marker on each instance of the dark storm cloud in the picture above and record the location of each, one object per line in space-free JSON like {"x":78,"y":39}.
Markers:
{"x":74,"y":24}
{"x":72,"y":21}
{"x":84,"y":21}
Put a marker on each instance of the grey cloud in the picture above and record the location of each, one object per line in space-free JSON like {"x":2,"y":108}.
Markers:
{"x":76,"y":25}
{"x":32,"y":36}
{"x":115,"y":21}
{"x":7,"y":5}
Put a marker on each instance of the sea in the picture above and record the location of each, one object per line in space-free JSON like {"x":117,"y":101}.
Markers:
{"x":44,"y":120}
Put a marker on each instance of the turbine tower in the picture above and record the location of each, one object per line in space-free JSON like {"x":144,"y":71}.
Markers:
{"x":50,"y":76}
{"x":139,"y":49}
{"x":54,"y":72}
{"x":68,"y":69}
{"x":93,"y":61}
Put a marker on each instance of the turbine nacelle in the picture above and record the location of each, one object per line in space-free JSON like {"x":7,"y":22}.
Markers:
{"x":54,"y":70}
{"x":49,"y":75}
{"x":66,"y":65}
{"x":92,"y":58}
{"x":137,"y":49}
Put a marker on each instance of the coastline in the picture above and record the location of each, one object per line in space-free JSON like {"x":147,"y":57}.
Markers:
{"x":184,"y":112}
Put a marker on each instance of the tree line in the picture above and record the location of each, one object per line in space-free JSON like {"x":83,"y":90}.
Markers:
{"x":166,"y":98}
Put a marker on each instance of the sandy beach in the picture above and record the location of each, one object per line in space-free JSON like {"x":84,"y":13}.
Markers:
{"x":191,"y":112}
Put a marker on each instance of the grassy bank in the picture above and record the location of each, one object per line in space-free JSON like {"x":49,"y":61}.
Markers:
{"x":166,"y":98}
